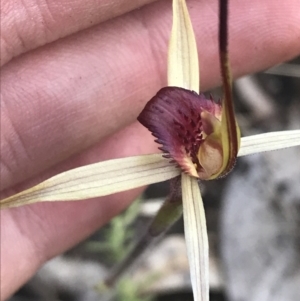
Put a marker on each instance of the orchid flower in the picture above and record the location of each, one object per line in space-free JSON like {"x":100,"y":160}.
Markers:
{"x":200,"y":136}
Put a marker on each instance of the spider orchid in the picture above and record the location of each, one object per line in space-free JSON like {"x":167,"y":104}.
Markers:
{"x":200,"y":137}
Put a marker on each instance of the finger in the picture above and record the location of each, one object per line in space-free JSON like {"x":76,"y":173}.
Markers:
{"x":50,"y":114}
{"x":81,"y":89}
{"x":137,"y":132}
{"x":26,"y":25}
{"x":32,"y":234}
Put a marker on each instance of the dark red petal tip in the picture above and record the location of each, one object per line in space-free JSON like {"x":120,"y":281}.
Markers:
{"x":173,"y":116}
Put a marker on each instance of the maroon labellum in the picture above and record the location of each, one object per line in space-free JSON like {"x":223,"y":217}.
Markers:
{"x":187,"y":125}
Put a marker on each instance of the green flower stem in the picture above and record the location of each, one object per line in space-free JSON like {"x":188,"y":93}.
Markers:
{"x":168,"y":214}
{"x":131,"y":258}
{"x":170,"y":211}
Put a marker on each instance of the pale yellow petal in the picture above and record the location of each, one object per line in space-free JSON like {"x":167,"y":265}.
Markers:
{"x":268,"y":142}
{"x":183,"y":71}
{"x":196,"y":237}
{"x":183,"y":65}
{"x":97,"y":180}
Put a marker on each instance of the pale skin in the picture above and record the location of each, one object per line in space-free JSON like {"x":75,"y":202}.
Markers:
{"x":71,"y":100}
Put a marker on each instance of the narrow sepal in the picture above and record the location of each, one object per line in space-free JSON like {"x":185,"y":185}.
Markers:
{"x":196,"y":237}
{"x":269,"y":142}
{"x":230,"y":129}
{"x":183,"y":65}
{"x":97,"y":180}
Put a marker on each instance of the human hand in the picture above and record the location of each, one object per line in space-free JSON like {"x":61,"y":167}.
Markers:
{"x":74,"y":101}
